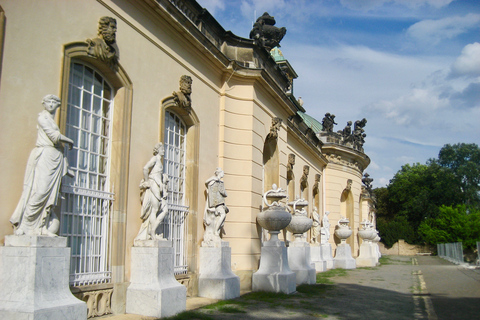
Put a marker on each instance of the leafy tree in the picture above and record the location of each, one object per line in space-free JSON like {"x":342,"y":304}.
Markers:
{"x":464,"y":161}
{"x":452,"y":224}
{"x":422,"y":192}
{"x":416,"y":191}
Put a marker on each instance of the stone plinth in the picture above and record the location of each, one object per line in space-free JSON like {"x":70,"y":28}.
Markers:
{"x":299,"y":262}
{"x":154,"y":291}
{"x":343,"y":257}
{"x":327,"y":255}
{"x":316,"y":258}
{"x":367,"y":255}
{"x":216,"y":280}
{"x":274,"y":274}
{"x":34,"y":272}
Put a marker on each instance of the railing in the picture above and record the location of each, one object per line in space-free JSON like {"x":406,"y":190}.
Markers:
{"x":85,"y":223}
{"x":478,"y":252}
{"x":175,"y":229}
{"x":452,"y":252}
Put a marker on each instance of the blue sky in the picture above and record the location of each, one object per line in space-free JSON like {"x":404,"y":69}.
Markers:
{"x":411,"y":67}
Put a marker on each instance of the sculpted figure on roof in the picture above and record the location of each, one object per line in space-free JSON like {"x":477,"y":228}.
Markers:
{"x":265,"y":34}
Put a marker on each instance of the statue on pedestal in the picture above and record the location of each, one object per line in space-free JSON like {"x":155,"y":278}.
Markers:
{"x":153,"y":195}
{"x":325,"y":228}
{"x":316,"y":226}
{"x":45,"y":168}
{"x":215,"y":208}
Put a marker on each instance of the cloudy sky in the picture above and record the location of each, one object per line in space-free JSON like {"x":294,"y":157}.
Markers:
{"x":411,"y":67}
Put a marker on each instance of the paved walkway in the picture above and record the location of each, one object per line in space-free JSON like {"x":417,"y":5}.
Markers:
{"x":403,"y":288}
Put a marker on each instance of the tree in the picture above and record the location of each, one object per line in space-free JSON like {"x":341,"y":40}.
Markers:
{"x":420,"y":192}
{"x":464,"y":161}
{"x":416,"y":191}
{"x":452,"y":224}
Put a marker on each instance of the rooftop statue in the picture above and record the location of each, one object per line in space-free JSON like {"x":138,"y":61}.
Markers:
{"x":104,"y":47}
{"x":367,"y":181}
{"x":358,"y":134}
{"x":45,"y":168}
{"x":328,"y":122}
{"x":265,"y":34}
{"x":215,"y":208}
{"x":153,"y":196}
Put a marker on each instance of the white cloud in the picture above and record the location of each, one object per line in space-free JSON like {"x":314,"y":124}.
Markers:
{"x":366,"y":5}
{"x":468,"y":63}
{"x":434,"y":31}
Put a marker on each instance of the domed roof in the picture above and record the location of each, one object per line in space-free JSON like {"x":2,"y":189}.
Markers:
{"x":311,"y":122}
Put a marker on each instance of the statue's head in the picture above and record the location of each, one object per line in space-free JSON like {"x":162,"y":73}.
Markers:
{"x":159,"y":149}
{"x":306,"y":170}
{"x":107,"y":28}
{"x":51,"y":102}
{"x":219,"y":173}
{"x":186,"y":84}
{"x":291,"y":159}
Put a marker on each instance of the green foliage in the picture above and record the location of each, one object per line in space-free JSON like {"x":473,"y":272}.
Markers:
{"x":452,"y":224}
{"x":392,"y":231}
{"x":418,"y":191}
{"x":464,"y":161}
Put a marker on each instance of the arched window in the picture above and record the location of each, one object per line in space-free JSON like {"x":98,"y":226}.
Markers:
{"x":86,"y":209}
{"x":174,"y":227}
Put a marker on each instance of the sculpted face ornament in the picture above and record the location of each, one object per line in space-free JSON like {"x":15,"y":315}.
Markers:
{"x":182,"y":98}
{"x":104,"y":47}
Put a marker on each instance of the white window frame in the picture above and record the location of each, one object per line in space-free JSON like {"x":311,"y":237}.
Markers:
{"x":174,"y":226}
{"x":85,"y":212}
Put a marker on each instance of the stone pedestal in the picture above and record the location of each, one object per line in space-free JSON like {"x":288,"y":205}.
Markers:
{"x":216,"y":280}
{"x":316,"y":257}
{"x":327,"y":255}
{"x":274,"y":274}
{"x":367,"y":255}
{"x":343,"y":257}
{"x":299,"y":262}
{"x":153,"y":290}
{"x":34,"y":272}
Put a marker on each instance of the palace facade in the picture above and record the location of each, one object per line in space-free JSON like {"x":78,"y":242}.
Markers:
{"x":131,"y":74}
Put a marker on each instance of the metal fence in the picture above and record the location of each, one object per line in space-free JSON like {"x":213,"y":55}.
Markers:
{"x":452,"y":252}
{"x":478,"y":252}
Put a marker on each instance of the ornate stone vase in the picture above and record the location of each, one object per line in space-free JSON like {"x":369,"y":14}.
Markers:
{"x":300,"y":222}
{"x":366,"y":233}
{"x":343,"y":231}
{"x":275,"y":217}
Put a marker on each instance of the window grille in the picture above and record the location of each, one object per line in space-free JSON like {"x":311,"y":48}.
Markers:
{"x":85,"y":210}
{"x":174,"y":226}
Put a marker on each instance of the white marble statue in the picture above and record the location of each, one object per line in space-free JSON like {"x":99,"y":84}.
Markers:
{"x":316,"y":226}
{"x":215,"y":208}
{"x":153,"y":195}
{"x":45,"y":168}
{"x":325,"y":228}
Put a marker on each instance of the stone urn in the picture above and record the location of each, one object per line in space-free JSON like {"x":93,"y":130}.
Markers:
{"x":342,"y":230}
{"x":300,"y":222}
{"x":366,"y":233}
{"x":275,"y":217}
